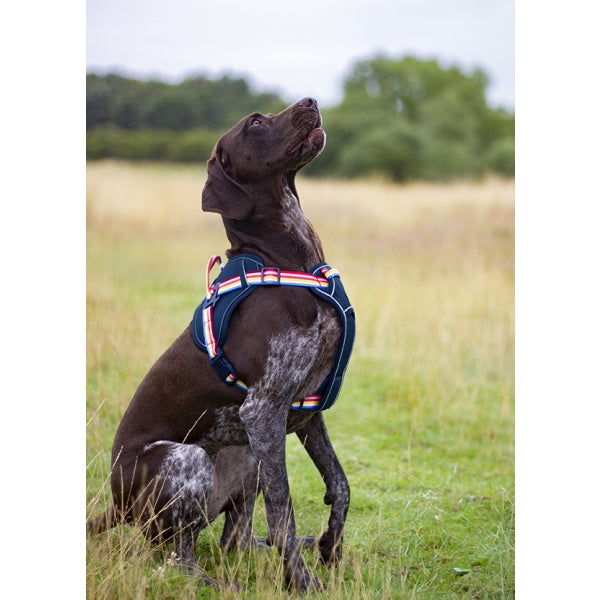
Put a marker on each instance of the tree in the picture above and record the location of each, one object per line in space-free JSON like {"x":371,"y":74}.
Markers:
{"x":399,"y":119}
{"x":197,"y":102}
{"x":412,"y":118}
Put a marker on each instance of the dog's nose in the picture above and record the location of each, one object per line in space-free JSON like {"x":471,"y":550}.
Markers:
{"x":308,"y":103}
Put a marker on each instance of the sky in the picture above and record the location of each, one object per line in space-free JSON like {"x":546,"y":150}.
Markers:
{"x":301,"y":48}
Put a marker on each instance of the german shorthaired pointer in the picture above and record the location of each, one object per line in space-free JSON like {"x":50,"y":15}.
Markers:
{"x":190,"y":447}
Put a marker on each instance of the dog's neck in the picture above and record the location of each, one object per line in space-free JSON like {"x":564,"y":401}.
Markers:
{"x":300,"y":229}
{"x":283,"y":236}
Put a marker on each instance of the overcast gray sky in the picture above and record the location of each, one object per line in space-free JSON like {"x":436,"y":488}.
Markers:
{"x":300,"y":48}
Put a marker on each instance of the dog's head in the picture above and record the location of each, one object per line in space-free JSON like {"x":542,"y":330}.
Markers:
{"x":261,"y":152}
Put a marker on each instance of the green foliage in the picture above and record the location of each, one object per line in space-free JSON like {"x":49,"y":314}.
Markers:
{"x":197,"y":102}
{"x":500,"y":157}
{"x":108,"y":141}
{"x":401,"y":119}
{"x":382,"y":151}
{"x":410,"y":118}
{"x":154,"y":120}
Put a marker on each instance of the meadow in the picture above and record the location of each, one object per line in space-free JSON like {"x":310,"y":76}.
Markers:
{"x":424,"y":426}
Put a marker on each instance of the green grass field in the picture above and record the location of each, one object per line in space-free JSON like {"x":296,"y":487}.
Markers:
{"x":424,"y":426}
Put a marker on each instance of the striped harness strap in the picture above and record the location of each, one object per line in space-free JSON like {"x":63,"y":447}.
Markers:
{"x":238,"y":279}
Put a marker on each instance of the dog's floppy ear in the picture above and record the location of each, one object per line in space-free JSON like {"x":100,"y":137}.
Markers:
{"x":221,"y":193}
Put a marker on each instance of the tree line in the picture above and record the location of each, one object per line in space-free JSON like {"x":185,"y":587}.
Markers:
{"x":401,"y":119}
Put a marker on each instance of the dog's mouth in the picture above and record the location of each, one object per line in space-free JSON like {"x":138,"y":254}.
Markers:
{"x":319,"y":121}
{"x":312,"y":137}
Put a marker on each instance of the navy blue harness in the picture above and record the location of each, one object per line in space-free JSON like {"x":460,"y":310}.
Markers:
{"x":236,"y":281}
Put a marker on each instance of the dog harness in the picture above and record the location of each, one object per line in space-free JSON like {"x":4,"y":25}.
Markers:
{"x":237,"y":279}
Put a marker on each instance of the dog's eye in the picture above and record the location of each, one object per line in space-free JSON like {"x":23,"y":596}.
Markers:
{"x":255,"y":122}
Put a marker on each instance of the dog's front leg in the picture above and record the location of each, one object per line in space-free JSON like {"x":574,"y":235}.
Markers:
{"x":265,"y":424}
{"x":318,"y":445}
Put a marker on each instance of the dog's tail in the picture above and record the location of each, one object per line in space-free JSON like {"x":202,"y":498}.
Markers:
{"x":107,"y":520}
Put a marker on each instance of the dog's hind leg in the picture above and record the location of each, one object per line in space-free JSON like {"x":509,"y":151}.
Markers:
{"x":177,"y":501}
{"x":190,"y":476}
{"x":234,"y":492}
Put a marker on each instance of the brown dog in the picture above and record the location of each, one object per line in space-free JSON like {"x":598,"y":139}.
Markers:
{"x":189,"y":446}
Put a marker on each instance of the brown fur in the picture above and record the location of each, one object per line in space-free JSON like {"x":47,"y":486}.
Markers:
{"x":189,"y":446}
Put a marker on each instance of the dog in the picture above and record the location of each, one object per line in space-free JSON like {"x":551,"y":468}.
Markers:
{"x":190,"y":447}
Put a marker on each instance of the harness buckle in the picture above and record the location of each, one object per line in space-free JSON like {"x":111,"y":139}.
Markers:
{"x":212,"y":299}
{"x":273,"y":274}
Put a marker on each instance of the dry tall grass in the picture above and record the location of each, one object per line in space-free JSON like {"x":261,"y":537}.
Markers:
{"x":425,"y":419}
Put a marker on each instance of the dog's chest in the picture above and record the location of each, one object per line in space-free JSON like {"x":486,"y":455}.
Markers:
{"x":296,"y":363}
{"x":227,"y":429}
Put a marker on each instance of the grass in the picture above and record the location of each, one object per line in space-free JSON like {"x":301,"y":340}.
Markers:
{"x":424,"y":426}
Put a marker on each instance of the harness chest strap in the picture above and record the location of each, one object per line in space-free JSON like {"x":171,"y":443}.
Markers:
{"x":244,"y":281}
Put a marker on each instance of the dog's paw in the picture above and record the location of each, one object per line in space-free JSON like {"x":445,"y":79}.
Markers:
{"x":330,"y":549}
{"x":303,"y":581}
{"x":309,"y":542}
{"x":298,"y":577}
